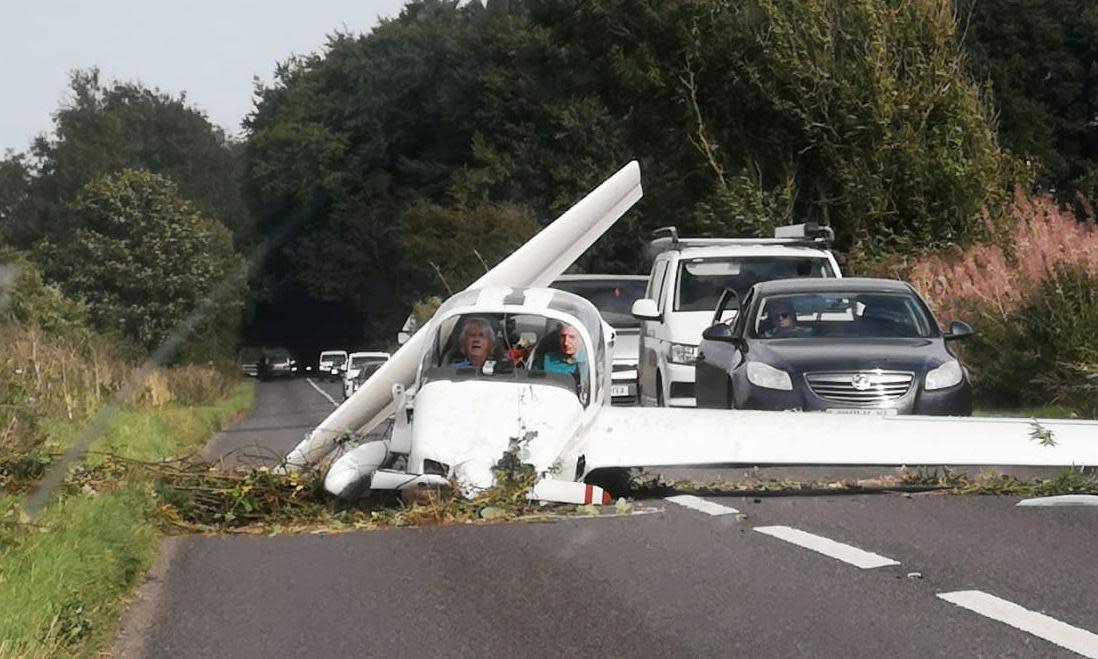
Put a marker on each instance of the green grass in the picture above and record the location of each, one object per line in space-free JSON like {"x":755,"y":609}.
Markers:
{"x":63,"y":581}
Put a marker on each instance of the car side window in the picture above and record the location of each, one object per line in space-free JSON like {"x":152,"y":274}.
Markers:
{"x":741,"y":315}
{"x":662,"y":293}
{"x":655,"y":284}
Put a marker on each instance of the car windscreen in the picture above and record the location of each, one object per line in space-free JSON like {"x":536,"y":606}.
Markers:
{"x":702,"y":280}
{"x":842,"y":315}
{"x":358,"y":361}
{"x":335,"y":359}
{"x":613,"y":298}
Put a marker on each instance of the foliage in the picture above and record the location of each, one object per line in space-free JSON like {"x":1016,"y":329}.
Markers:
{"x":487,"y":234}
{"x":743,"y":115}
{"x":1039,"y":62}
{"x":25,"y":298}
{"x":105,"y":128}
{"x":66,"y":576}
{"x":1042,"y":237}
{"x":42,"y":377}
{"x":62,"y":589}
{"x":1031,"y":300}
{"x":144,"y":261}
{"x":858,"y":114}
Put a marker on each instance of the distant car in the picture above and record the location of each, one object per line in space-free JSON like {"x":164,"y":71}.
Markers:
{"x":356,"y":362}
{"x":276,"y":363}
{"x":842,"y":345}
{"x":613,"y":296}
{"x":361,"y":377}
{"x":331,"y":363}
{"x":249,"y":361}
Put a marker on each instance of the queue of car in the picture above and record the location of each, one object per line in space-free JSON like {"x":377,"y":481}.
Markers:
{"x":747,"y":323}
{"x":771,"y":324}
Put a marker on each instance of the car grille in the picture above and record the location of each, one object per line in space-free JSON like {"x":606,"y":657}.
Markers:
{"x":860,"y":388}
{"x":619,"y":367}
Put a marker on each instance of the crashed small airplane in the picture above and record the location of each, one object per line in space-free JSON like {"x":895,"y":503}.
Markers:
{"x":454,"y":420}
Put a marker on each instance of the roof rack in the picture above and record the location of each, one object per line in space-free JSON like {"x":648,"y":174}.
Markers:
{"x":808,"y":234}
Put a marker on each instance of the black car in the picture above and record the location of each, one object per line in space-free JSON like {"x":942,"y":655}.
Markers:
{"x":276,"y":363}
{"x":851,"y":345}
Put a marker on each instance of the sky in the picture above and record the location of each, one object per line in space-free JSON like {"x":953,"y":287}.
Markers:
{"x":210,"y":49}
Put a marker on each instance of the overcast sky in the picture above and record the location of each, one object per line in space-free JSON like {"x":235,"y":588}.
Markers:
{"x":211,"y":49}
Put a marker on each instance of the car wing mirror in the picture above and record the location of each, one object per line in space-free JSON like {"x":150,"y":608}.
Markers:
{"x":719,"y":332}
{"x":729,"y":300}
{"x":645,"y":309}
{"x":959,"y":329}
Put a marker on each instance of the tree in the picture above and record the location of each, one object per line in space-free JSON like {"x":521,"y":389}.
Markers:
{"x":458,"y":245}
{"x":14,"y":186}
{"x":144,"y":261}
{"x":104,"y":129}
{"x":858,"y":114}
{"x":743,"y":115}
{"x":456,"y":107}
{"x":1041,"y":63}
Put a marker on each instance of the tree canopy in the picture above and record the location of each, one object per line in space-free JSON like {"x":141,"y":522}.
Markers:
{"x":1040,"y":60}
{"x":143,"y":260}
{"x":103,"y":129}
{"x":744,"y":115}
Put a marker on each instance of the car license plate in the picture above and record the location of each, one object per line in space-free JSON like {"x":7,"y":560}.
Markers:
{"x":888,"y":411}
{"x":619,"y":390}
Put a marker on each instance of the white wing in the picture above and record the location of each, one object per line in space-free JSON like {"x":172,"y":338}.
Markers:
{"x":541,"y":260}
{"x":665,"y":437}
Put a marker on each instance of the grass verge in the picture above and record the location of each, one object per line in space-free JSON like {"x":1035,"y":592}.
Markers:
{"x":64,"y":579}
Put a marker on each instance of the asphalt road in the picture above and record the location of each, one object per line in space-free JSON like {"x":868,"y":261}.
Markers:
{"x":673,"y":581}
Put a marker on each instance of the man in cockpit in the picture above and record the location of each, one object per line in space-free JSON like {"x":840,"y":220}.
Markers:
{"x":570,"y":359}
{"x":477,"y":341}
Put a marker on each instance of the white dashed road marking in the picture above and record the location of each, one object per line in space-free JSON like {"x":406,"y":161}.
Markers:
{"x":837,"y":550}
{"x":1038,"y":624}
{"x":322,"y":392}
{"x":701,"y":505}
{"x":1063,"y":500}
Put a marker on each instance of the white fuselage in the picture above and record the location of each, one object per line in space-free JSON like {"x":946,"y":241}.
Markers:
{"x":469,"y":425}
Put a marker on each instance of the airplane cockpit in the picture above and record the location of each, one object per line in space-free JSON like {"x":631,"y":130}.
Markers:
{"x":540,"y":336}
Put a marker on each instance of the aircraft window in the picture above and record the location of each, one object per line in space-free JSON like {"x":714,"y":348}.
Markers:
{"x":512,"y":346}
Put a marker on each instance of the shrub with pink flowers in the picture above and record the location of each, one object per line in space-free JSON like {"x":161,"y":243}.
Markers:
{"x":1033,"y":301}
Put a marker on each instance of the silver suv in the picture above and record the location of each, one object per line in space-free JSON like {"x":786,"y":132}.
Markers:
{"x":688,"y":277}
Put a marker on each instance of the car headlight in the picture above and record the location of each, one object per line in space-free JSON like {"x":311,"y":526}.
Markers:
{"x":948,"y":374}
{"x":765,"y":375}
{"x":682,"y":353}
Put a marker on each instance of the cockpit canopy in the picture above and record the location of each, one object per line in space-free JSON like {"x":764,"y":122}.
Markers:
{"x":532,"y":335}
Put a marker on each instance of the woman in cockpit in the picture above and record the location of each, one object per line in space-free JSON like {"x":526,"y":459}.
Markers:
{"x":477,"y":341}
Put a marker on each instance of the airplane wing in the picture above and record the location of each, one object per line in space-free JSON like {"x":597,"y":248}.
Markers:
{"x":668,"y":437}
{"x":541,"y":260}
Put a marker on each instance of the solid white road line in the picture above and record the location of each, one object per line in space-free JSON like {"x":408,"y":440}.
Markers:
{"x":1062,"y":500}
{"x":701,"y":505}
{"x":322,"y":392}
{"x":843,"y":552}
{"x":1038,"y":624}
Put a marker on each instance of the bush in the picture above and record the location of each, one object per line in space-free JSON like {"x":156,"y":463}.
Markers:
{"x":199,"y":385}
{"x":1032,"y":301}
{"x":1042,"y":238}
{"x":150,"y":267}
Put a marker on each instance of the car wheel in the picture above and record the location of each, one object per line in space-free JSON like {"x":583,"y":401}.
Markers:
{"x":659,"y":390}
{"x":730,"y":397}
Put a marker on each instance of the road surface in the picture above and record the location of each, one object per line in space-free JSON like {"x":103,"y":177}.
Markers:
{"x":862,"y":575}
